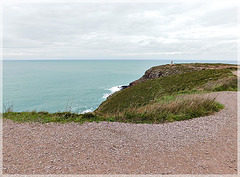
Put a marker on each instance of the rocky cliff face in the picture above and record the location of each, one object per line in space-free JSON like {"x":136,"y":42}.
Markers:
{"x":162,"y":71}
{"x":167,"y":70}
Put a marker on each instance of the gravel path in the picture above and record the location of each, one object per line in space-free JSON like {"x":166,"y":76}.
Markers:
{"x":203,"y":145}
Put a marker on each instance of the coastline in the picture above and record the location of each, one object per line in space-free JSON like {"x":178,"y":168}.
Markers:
{"x":205,"y":145}
{"x":202,"y":145}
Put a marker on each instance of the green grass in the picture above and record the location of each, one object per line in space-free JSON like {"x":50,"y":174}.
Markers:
{"x":230,"y":84}
{"x":167,"y":111}
{"x":154,"y":90}
{"x":46,"y":117}
{"x":177,"y":110}
{"x":153,"y":101}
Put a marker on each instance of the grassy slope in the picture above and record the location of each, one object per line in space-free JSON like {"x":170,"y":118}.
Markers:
{"x":152,"y":101}
{"x":179,"y":109}
{"x":167,"y":70}
{"x":153,"y":90}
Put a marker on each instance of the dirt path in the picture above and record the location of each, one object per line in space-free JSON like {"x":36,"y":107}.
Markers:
{"x":203,"y":145}
{"x":237,"y":73}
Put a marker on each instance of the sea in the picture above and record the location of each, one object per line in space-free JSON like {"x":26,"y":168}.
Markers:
{"x":78,"y":86}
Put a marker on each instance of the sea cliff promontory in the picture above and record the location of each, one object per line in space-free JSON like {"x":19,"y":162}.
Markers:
{"x":157,"y":93}
{"x":171,"y":69}
{"x":165,"y":93}
{"x":114,"y":144}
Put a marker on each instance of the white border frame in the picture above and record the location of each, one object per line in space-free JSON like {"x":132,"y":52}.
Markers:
{"x":104,"y":1}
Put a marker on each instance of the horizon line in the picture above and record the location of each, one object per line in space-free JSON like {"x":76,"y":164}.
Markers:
{"x":118,"y":59}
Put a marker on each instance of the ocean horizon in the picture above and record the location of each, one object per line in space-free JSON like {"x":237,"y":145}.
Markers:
{"x":78,"y":86}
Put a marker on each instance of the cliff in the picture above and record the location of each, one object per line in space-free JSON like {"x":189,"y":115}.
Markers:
{"x":168,"y":70}
{"x":166,"y":81}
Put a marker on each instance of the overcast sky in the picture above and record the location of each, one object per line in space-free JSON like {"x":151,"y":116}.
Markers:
{"x":120,"y":31}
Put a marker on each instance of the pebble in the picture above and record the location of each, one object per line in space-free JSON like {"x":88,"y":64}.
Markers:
{"x":124,"y":148}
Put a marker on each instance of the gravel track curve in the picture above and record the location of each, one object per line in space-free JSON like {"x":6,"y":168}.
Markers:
{"x":205,"y":145}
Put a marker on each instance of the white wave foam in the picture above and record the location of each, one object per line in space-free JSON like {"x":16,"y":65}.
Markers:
{"x":105,"y":95}
{"x":86,"y":111}
{"x":113,"y":90}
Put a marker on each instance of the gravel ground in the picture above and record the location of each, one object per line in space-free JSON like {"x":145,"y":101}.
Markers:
{"x":205,"y":145}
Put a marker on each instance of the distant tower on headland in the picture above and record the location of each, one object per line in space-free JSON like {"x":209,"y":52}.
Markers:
{"x":171,"y":63}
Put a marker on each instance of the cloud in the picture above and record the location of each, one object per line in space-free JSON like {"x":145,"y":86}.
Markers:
{"x":120,"y":30}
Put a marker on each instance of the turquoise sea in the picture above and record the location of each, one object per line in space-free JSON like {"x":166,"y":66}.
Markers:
{"x":75,"y":85}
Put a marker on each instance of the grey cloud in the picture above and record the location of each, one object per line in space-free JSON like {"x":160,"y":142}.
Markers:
{"x":124,"y":30}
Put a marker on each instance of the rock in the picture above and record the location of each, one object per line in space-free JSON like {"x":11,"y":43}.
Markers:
{"x":168,"y":70}
{"x":124,"y":87}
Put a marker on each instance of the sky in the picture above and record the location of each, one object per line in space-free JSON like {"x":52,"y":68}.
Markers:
{"x":165,"y":30}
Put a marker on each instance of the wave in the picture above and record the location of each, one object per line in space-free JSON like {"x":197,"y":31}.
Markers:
{"x":87,"y":111}
{"x":105,"y":95}
{"x":112,"y":90}
{"x":115,"y":88}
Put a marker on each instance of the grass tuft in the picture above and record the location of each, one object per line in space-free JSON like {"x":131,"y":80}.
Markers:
{"x":161,"y":112}
{"x":160,"y":100}
{"x":151,"y":91}
{"x":177,"y":110}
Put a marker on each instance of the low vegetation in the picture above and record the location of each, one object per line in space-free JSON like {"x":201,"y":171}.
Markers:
{"x":164,"y":99}
{"x":177,"y":110}
{"x":151,"y":91}
{"x":46,"y":117}
{"x":169,"y":111}
{"x":168,"y":70}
